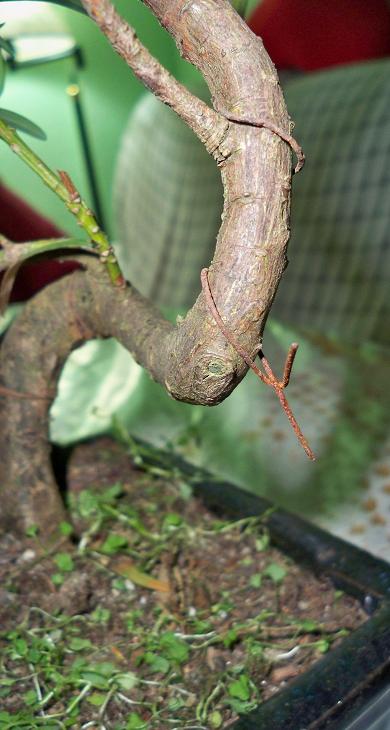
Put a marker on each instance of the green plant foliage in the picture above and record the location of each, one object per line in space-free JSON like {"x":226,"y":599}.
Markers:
{"x":276,"y":572}
{"x":57,"y":579}
{"x":17,"y":121}
{"x":322,"y":646}
{"x":157,"y":664}
{"x":134,"y":722}
{"x":79,"y":644}
{"x":73,"y":664}
{"x":173,"y":648}
{"x":240,"y":688}
{"x":32,"y":531}
{"x":101,"y":615}
{"x":113,"y":544}
{"x":230,"y":638}
{"x":127,"y":681}
{"x":66,"y":528}
{"x":64,"y":562}
{"x":255,"y":580}
{"x":215,"y":719}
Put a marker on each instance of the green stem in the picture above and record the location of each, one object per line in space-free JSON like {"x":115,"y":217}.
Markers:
{"x":13,"y":253}
{"x":65,"y":190}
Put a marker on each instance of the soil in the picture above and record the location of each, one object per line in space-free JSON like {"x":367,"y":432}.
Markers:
{"x":153,"y":613}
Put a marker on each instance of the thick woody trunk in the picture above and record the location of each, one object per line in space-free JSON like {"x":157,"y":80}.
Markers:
{"x":255,"y":165}
{"x":193,"y":360}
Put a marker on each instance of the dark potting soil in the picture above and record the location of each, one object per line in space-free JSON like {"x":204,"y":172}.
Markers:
{"x":158,"y":615}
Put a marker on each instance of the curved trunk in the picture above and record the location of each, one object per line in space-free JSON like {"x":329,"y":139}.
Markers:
{"x":193,"y":360}
{"x":255,"y":164}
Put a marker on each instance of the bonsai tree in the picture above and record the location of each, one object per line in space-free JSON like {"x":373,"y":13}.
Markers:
{"x":204,"y":357}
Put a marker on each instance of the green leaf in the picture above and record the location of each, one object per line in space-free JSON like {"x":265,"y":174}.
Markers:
{"x":21,"y":647}
{"x":7,"y":682}
{"x":96,"y":699}
{"x":100,"y":615}
{"x":215,"y":719}
{"x":57,"y":579}
{"x":17,"y":121}
{"x":173,"y":648}
{"x":172,"y":520}
{"x":276,"y":572}
{"x":240,"y":688}
{"x":242,"y":708}
{"x":135,"y":722}
{"x":262,"y":543}
{"x":157,"y":664}
{"x":77,"y":666}
{"x":32,"y":531}
{"x":127,"y":681}
{"x":255,"y":580}
{"x":322,"y":646}
{"x":119,"y":584}
{"x":87,"y":503}
{"x":110,"y":494}
{"x":200,"y":626}
{"x":66,"y":528}
{"x":176,"y":703}
{"x":64,"y":562}
{"x":30,"y":698}
{"x":229,"y":638}
{"x":255,"y":648}
{"x":107,"y":669}
{"x":113,"y":544}
{"x":307,"y":625}
{"x":79,"y":644}
{"x":34,"y":656}
{"x":95,"y":679}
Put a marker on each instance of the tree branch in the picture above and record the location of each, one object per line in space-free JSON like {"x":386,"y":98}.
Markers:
{"x":65,"y":190}
{"x":193,"y":360}
{"x":15,"y":253}
{"x":71,"y":311}
{"x":209,"y":126}
{"x":268,"y":379}
{"x":255,"y":164}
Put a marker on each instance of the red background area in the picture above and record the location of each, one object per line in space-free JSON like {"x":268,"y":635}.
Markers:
{"x":313,"y":34}
{"x":20,"y":223}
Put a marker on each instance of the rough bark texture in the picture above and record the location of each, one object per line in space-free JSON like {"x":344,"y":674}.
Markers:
{"x":255,"y":164}
{"x":32,"y":355}
{"x":193,"y":361}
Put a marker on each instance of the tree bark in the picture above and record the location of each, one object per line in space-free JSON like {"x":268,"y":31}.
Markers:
{"x":255,"y":164}
{"x":193,"y":360}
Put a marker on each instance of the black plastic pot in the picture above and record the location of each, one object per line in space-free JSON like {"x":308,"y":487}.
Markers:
{"x":349,"y":689}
